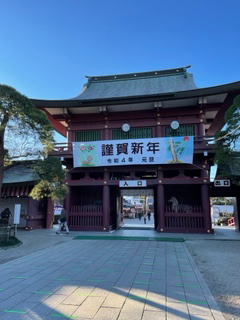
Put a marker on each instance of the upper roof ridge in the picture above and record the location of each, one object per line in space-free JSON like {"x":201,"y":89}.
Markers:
{"x":139,"y":74}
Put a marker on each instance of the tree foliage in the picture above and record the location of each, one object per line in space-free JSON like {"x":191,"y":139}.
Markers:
{"x":22,"y":121}
{"x":52,"y":183}
{"x":227,"y":140}
{"x":223,"y":200}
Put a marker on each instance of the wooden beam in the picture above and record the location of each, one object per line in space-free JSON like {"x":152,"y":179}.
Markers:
{"x":56,"y":124}
{"x":219,"y":120}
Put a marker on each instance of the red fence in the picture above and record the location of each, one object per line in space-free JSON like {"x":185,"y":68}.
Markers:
{"x":184,"y":223}
{"x":86,"y":209}
{"x":86,"y":217}
{"x":186,"y":219}
{"x":183,"y":208}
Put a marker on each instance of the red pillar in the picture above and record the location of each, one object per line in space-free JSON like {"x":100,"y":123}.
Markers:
{"x":160,"y":207}
{"x":201,"y":130}
{"x":67,"y":200}
{"x":68,"y":203}
{"x":71,"y":135}
{"x":158,"y":131}
{"x":106,"y":128}
{"x":106,"y":207}
{"x":206,"y":207}
{"x":237,"y":213}
{"x":50,"y":214}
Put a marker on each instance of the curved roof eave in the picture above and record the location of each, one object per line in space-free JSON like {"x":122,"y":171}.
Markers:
{"x":230,"y":87}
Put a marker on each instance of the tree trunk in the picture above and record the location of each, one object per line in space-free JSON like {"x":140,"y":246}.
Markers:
{"x":3,"y":125}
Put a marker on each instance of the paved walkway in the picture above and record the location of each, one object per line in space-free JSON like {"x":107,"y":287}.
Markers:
{"x":105,"y":280}
{"x":139,"y":223}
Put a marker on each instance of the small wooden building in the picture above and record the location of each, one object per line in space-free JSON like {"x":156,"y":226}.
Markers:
{"x":128,"y":122}
{"x":18,"y":181}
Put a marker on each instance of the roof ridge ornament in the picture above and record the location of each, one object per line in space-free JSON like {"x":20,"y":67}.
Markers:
{"x":139,"y":74}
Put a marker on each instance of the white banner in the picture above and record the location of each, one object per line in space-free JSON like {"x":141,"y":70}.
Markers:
{"x":167,"y":150}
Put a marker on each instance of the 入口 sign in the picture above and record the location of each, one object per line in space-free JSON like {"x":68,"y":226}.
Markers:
{"x":132,"y":183}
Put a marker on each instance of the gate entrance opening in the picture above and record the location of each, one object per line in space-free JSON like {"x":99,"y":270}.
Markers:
{"x":136,"y":209}
{"x":224,"y":212}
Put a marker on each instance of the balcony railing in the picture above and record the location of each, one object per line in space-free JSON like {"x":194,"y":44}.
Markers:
{"x":63,"y":148}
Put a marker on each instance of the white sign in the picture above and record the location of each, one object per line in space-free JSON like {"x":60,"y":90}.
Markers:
{"x":221,"y":183}
{"x":17,"y":210}
{"x":58,"y":210}
{"x":132,"y":183}
{"x":168,"y":150}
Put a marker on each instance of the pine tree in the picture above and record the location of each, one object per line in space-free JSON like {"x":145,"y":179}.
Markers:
{"x":227,"y":140}
{"x":20,"y":118}
{"x":52,"y":180}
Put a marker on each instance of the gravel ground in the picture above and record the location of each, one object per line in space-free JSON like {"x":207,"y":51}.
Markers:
{"x":219,"y":263}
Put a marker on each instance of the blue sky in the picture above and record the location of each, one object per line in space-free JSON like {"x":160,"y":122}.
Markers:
{"x":48,"y":46}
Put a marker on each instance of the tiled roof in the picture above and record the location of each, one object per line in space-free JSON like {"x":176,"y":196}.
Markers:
{"x":19,"y":173}
{"x":137,"y":84}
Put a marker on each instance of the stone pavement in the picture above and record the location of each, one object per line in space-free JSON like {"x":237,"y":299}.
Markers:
{"x":106,"y":280}
{"x":32,"y":241}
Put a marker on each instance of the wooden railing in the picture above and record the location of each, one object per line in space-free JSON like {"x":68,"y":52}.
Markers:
{"x":184,"y":223}
{"x":186,"y":218}
{"x":86,"y":209}
{"x":201,"y":142}
{"x":183,"y":208}
{"x":86,"y":217}
{"x":62,"y":148}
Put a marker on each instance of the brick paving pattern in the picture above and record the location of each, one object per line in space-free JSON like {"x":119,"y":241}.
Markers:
{"x":106,"y":280}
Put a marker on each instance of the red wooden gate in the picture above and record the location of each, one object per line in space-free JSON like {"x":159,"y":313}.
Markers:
{"x":86,"y":217}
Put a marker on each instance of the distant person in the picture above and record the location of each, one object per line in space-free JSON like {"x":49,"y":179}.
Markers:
{"x":145,"y":218}
{"x":5,"y":215}
{"x":63,"y":226}
{"x":149,"y":215}
{"x":139,"y":216}
{"x":133,"y":212}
